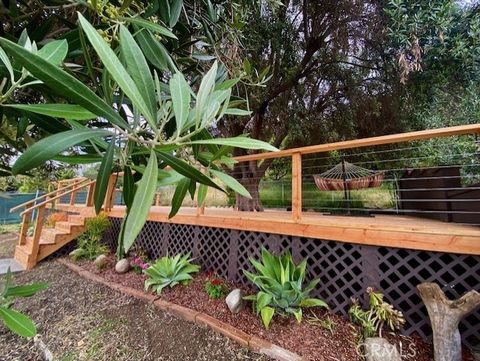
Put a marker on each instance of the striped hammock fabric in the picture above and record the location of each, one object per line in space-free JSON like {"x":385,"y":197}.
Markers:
{"x":355,"y":178}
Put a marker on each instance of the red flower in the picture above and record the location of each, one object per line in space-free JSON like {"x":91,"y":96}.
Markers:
{"x":216,"y":282}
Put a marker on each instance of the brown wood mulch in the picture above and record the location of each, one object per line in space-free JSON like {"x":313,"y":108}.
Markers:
{"x":306,"y":339}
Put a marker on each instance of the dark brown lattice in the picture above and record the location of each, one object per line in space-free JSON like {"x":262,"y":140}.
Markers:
{"x":339,"y":268}
{"x":213,"y":256}
{"x":402,"y":270}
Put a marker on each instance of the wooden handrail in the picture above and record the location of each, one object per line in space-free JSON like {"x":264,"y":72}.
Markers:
{"x":366,"y":142}
{"x":14,"y":209}
{"x":57,"y":197}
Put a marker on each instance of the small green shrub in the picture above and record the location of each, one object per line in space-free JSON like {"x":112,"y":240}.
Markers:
{"x":380,"y":314}
{"x":89,"y":243}
{"x":325,"y":323}
{"x":280,"y":282}
{"x":215,"y":286}
{"x":14,"y":320}
{"x":170,"y":271}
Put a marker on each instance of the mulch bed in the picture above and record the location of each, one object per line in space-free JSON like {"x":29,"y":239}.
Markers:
{"x":310,"y":341}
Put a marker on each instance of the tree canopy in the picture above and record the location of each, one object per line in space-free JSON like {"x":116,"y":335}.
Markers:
{"x":171,"y":75}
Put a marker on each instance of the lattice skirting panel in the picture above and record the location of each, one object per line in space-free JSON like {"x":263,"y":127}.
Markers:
{"x":345,"y":269}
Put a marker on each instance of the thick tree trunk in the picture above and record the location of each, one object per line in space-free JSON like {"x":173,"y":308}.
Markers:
{"x":254,"y":204}
{"x":445,"y":316}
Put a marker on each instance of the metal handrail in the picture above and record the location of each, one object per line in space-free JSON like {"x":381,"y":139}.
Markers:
{"x":57,"y":197}
{"x":12,"y":210}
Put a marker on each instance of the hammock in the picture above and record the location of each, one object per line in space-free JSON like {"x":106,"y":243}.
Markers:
{"x":350,"y":175}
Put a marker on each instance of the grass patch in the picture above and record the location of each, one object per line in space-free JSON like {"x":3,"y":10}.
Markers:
{"x":10,"y":228}
{"x":278,"y":194}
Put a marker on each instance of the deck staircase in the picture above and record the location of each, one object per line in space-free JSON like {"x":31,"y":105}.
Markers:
{"x":36,"y":241}
{"x":51,"y":240}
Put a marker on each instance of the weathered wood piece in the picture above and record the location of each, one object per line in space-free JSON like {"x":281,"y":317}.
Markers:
{"x":445,"y":314}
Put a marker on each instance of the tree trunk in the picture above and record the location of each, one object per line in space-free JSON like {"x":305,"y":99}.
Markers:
{"x":244,"y":204}
{"x":445,"y":316}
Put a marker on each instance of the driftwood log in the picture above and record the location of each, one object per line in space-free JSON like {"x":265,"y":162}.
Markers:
{"x":445,"y":316}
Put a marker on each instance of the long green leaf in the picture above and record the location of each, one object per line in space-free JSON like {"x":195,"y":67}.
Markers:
{"x":151,"y":26}
{"x":175,"y":11}
{"x":128,"y":186}
{"x":237,"y":111}
{"x":17,"y":322}
{"x":54,"y":51}
{"x":66,"y":111}
{"x":202,"y":194}
{"x":180,"y":93}
{"x":49,"y":147}
{"x":179,"y":196}
{"x":186,"y":169}
{"x":103,"y":176}
{"x":78,"y":159}
{"x":206,"y":87}
{"x":25,"y":290}
{"x":231,"y":182}
{"x":239,"y":142}
{"x":117,"y":70}
{"x":138,"y":68}
{"x":4,"y":59}
{"x":62,"y":82}
{"x":141,"y":202}
{"x":154,"y":51}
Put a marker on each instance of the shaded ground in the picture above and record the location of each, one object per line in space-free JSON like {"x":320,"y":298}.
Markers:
{"x":80,"y":320}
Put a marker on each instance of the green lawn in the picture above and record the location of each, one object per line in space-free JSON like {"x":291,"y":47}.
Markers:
{"x":277,"y":194}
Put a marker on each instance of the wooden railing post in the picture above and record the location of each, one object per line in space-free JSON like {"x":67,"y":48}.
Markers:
{"x":201,"y":207}
{"x":109,"y":196}
{"x":37,"y":231}
{"x":22,"y":238}
{"x":157,"y":199}
{"x":90,"y":193}
{"x":73,"y":195}
{"x":296,"y":186}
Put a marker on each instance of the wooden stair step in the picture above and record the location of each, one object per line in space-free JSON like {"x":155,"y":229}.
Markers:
{"x":52,"y":234}
{"x":68,"y":226}
{"x":77,"y":219}
{"x":41,"y":241}
{"x":23,"y":255}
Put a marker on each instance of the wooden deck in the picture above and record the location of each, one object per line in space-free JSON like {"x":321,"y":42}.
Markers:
{"x":381,"y":230}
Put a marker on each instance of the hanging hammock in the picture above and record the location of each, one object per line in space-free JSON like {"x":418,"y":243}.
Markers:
{"x":348,"y":175}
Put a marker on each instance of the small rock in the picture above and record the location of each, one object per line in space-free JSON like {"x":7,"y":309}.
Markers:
{"x":101,"y":261}
{"x":75,"y":252}
{"x":235,"y":300}
{"x":122,"y":266}
{"x":379,"y":349}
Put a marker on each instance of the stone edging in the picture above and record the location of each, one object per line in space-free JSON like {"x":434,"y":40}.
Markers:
{"x":251,"y":342}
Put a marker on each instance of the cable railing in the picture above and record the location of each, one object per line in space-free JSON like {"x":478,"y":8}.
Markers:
{"x":417,"y":179}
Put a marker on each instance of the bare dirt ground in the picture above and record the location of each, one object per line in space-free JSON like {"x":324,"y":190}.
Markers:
{"x":80,"y":320}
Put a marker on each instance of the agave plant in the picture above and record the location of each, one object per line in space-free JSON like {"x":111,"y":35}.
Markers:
{"x":170,"y":271}
{"x":280,"y":282}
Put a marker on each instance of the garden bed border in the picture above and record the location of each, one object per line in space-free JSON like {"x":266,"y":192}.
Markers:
{"x":253,"y":343}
